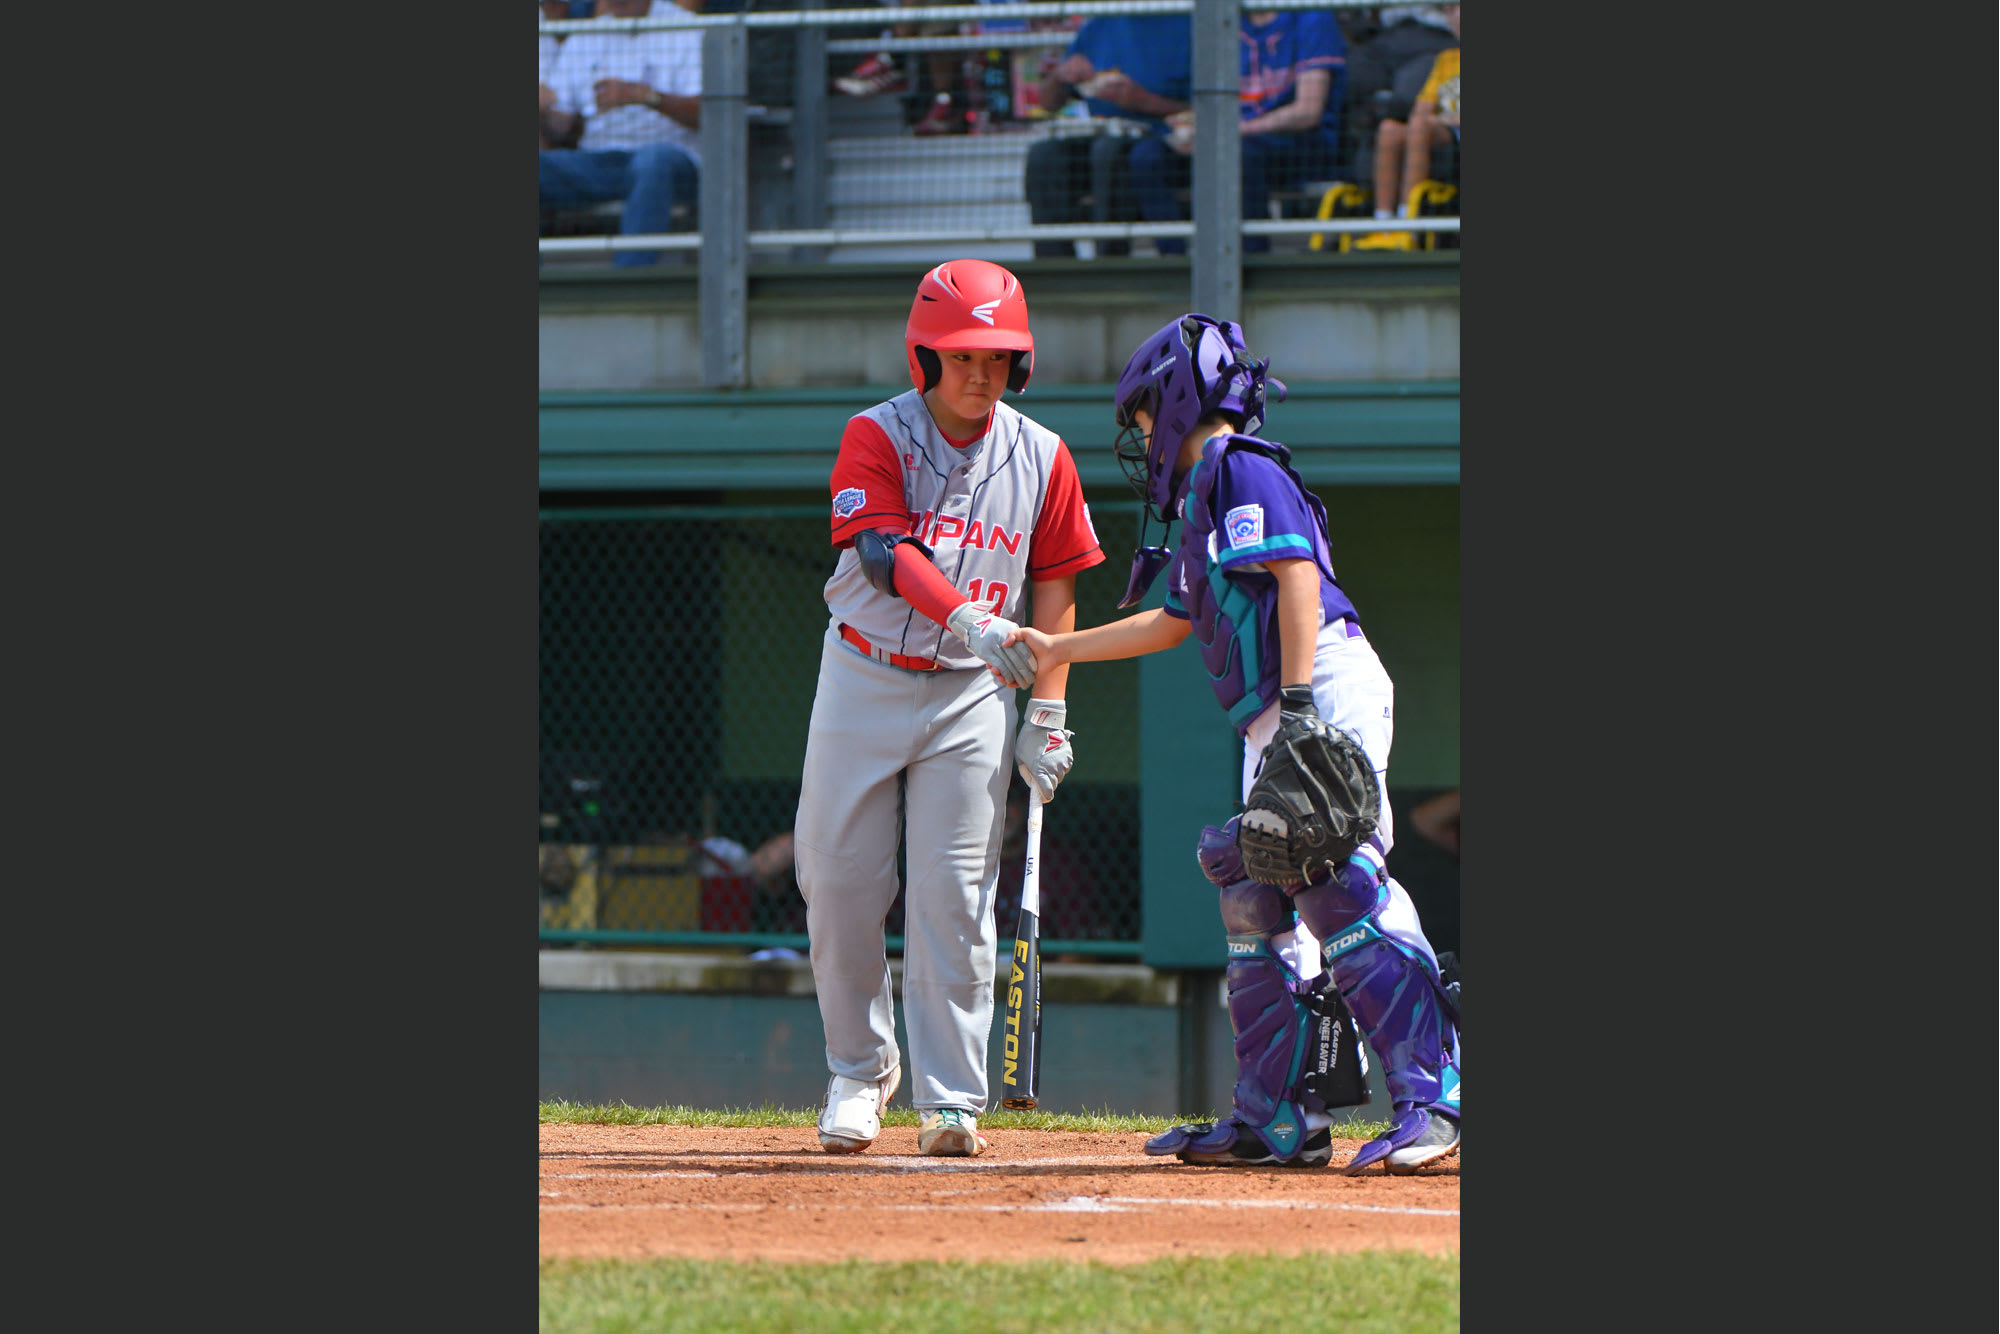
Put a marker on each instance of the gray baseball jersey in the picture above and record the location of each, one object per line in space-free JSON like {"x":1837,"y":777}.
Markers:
{"x":914,"y":731}
{"x":996,"y":514}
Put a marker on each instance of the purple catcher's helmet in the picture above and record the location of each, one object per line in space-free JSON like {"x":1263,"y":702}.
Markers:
{"x":1191,"y":367}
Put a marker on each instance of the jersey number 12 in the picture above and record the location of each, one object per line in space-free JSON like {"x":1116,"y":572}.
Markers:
{"x":996,"y":594}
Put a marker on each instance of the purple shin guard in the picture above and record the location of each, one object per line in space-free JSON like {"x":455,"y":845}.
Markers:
{"x":1270,"y":1028}
{"x":1394,"y":996}
{"x":1265,"y":1015}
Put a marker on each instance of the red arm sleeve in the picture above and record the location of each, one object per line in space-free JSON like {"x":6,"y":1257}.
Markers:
{"x":923,"y":584}
{"x":867,"y":483}
{"x":1064,"y":541}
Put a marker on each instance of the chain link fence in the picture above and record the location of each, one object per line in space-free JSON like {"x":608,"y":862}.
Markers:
{"x":679,"y":652}
{"x":894,"y":132}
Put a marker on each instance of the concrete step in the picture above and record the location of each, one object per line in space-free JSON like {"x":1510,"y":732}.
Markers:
{"x":999,"y":252}
{"x":908,"y":149}
{"x":952,"y":181}
{"x":872,"y":118}
{"x":970,"y":181}
{"x":941,"y":213}
{"x":923,"y":175}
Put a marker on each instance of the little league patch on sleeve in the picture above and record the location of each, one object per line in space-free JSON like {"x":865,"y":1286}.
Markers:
{"x":1244,"y":524}
{"x":848,"y":501}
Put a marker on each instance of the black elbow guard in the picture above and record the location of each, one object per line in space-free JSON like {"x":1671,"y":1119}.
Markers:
{"x":878,"y":556}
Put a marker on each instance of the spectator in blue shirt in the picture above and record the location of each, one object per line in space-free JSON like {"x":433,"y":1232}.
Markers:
{"x":1128,"y":68}
{"x":1292,"y":83}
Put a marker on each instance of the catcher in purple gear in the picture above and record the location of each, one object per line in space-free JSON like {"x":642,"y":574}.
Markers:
{"x":1252,"y":579}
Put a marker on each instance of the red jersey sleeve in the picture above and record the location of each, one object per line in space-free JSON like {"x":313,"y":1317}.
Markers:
{"x":867,"y":483}
{"x":1064,"y":542}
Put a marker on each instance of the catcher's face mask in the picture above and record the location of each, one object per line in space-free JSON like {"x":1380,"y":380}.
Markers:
{"x":1133,"y":448}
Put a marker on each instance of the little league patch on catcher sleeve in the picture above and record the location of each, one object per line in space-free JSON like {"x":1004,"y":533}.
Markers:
{"x":1245,"y":526}
{"x":848,"y":501}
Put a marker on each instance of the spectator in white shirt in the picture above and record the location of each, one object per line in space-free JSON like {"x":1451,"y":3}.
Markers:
{"x":622,"y":111}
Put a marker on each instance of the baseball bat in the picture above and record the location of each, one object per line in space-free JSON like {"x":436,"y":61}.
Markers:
{"x":1021,"y":1056}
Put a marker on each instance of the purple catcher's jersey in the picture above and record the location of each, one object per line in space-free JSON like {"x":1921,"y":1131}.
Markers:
{"x":1243,"y":505}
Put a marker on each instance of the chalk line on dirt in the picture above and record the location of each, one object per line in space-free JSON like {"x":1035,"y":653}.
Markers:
{"x":887,"y":1162}
{"x":1282,"y":1204}
{"x":628,"y":1176}
{"x":1097,"y":1204}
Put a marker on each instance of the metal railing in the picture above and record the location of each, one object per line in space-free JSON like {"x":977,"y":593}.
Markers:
{"x":1066,"y":231}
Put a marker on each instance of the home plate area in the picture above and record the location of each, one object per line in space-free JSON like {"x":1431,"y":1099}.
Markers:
{"x":772,"y":1193}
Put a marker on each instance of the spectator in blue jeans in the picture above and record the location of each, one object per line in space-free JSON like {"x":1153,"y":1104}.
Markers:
{"x":624,"y":111}
{"x":1127,"y":67}
{"x":1292,"y":82}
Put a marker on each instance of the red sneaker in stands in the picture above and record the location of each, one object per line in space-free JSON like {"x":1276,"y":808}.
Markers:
{"x":876,"y":75}
{"x":942,"y":118}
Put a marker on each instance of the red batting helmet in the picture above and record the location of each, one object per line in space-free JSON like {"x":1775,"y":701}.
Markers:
{"x":963,"y":304}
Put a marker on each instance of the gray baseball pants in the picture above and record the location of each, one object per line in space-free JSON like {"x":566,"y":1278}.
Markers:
{"x":945,"y":735}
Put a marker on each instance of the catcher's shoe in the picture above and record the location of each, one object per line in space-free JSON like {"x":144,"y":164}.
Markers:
{"x":1419,"y":1135}
{"x":1439,"y":1140}
{"x":947,"y":1132}
{"x":852,"y":1117}
{"x":1233,"y":1144}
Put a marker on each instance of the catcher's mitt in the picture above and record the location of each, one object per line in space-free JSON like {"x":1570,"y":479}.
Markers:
{"x":1315,"y":798}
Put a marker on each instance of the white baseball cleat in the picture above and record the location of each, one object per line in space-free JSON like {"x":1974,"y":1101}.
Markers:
{"x":852,"y":1117}
{"x":1439,"y":1140}
{"x":946,"y":1132}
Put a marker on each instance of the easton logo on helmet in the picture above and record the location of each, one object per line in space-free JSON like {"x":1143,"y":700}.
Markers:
{"x":984,"y":310}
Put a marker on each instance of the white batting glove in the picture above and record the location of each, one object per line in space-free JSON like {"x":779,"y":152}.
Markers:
{"x":1042,"y":752}
{"x":986,"y":635}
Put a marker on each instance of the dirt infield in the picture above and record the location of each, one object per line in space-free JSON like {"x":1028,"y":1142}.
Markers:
{"x":772,"y":1194}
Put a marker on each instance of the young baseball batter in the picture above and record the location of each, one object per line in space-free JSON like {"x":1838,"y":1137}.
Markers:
{"x":953,"y":513}
{"x":1252,"y":580}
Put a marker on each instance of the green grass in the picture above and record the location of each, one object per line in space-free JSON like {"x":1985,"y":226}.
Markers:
{"x":1368,"y":1292}
{"x":562,"y":1112}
